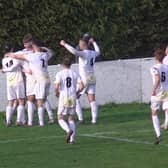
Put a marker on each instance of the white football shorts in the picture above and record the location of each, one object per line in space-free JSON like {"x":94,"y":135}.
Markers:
{"x":42,"y":90}
{"x":16,"y":91}
{"x":156,"y":104}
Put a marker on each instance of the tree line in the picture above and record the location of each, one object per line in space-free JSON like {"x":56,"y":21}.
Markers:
{"x":122,"y":28}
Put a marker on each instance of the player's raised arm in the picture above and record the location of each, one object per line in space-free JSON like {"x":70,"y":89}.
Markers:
{"x":96,"y":47}
{"x":17,"y":56}
{"x":49,"y":51}
{"x":72,"y":49}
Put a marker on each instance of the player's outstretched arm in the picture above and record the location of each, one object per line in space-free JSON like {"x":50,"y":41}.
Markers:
{"x":16,"y":56}
{"x":71,"y":49}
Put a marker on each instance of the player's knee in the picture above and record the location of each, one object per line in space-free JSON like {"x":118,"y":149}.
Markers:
{"x":60,"y":117}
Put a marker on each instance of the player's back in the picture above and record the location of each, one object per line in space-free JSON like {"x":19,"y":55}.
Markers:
{"x":68,"y":81}
{"x":38,"y":63}
{"x":12,"y":67}
{"x":162,"y":71}
{"x":86,"y":63}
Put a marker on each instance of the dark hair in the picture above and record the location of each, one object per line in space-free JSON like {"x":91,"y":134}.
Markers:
{"x":159,"y":54}
{"x":67,"y":62}
{"x":27,"y":38}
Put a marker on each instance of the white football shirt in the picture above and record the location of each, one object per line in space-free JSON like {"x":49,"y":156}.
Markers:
{"x":162,"y":71}
{"x":86,"y":59}
{"x":67,"y":80}
{"x":38,"y":63}
{"x":13,"y":70}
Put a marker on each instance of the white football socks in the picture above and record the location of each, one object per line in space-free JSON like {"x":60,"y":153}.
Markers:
{"x":41,"y":116}
{"x":14,"y":106}
{"x":73,"y":128}
{"x":94,"y":111}
{"x":156,"y":125}
{"x":166,"y":117}
{"x":30,"y":111}
{"x":79,"y":110}
{"x":49,"y":110}
{"x":9,"y":113}
{"x":20,"y":111}
{"x":63,"y":124}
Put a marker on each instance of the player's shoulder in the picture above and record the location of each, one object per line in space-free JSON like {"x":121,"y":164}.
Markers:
{"x":165,"y":60}
{"x":157,"y":68}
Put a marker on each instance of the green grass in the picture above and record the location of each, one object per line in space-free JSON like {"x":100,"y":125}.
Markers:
{"x":122,"y":138}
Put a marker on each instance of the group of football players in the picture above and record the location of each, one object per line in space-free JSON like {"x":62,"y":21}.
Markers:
{"x":28,"y":83}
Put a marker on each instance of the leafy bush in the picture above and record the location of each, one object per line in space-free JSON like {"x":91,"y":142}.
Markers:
{"x":123,"y":28}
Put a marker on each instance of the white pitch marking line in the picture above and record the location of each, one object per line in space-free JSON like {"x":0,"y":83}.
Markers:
{"x":28,"y":139}
{"x":115,"y":132}
{"x":121,"y":139}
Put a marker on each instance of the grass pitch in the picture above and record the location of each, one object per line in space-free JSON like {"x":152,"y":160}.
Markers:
{"x":122,"y":138}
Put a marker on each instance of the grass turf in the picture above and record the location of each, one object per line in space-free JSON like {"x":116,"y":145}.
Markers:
{"x":122,"y":138}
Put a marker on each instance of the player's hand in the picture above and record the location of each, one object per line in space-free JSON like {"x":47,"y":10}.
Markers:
{"x":57,"y":94}
{"x":153,"y":93}
{"x":62,"y":43}
{"x":12,"y":55}
{"x":91,"y":40}
{"x":28,"y":71}
{"x":78,"y":94}
{"x":7,"y":54}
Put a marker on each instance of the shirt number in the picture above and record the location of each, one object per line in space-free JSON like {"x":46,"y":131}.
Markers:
{"x":9,"y":64}
{"x":163,"y":77}
{"x":43,"y":63}
{"x":68,"y":82}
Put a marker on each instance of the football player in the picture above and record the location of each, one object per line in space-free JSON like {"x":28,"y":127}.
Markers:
{"x":159,"y":92}
{"x":65,"y":88}
{"x":165,"y":124}
{"x":15,"y":88}
{"x":30,"y":81}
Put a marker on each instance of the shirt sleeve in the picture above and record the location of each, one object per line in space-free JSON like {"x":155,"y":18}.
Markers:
{"x":154,"y":71}
{"x":50,"y":53}
{"x":57,"y":78}
{"x":74,"y":51}
{"x":97,"y":49}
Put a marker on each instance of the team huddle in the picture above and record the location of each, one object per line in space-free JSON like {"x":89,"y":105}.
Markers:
{"x":28,"y":84}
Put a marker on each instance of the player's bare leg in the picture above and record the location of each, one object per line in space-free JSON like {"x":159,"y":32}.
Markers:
{"x":40,"y":112}
{"x":30,"y":109}
{"x":156,"y":126}
{"x":94,"y":108}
